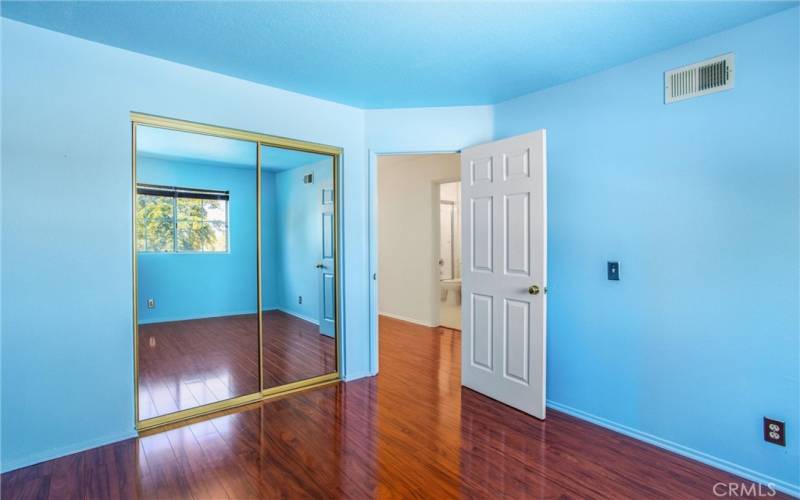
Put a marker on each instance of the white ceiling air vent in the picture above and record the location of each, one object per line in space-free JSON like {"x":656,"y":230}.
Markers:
{"x":705,"y":77}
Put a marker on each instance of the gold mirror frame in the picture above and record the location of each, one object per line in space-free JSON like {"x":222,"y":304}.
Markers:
{"x":260,"y":140}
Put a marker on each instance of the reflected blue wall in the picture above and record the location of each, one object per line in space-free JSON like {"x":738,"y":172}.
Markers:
{"x":295,"y":239}
{"x":197,"y":285}
{"x":271,"y":277}
{"x":202,"y":285}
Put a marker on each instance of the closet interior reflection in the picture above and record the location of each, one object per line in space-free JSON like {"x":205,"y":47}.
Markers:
{"x":234,"y":272}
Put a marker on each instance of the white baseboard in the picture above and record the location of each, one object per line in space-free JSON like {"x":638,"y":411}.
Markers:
{"x":61,"y":451}
{"x":757,"y":477}
{"x":409,"y":320}
{"x":355,"y":376}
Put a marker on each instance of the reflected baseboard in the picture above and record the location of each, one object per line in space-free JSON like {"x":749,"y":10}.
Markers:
{"x":292,"y":313}
{"x":172,"y":319}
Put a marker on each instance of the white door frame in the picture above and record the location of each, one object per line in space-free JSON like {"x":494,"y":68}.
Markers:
{"x":436,"y":187}
{"x":372,"y":232}
{"x":452,"y":261}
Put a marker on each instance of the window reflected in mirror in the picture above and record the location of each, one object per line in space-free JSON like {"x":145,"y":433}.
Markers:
{"x":196,"y":254}
{"x":171,"y":219}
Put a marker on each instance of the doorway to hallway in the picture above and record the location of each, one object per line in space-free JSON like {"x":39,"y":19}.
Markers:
{"x":504,"y":276}
{"x":419,"y":239}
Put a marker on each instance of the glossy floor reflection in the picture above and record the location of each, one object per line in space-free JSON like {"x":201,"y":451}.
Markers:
{"x":184,"y":364}
{"x":295,"y":350}
{"x":410,"y":432}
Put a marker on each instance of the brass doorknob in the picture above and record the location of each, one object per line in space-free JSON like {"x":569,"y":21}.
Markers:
{"x":533,"y":290}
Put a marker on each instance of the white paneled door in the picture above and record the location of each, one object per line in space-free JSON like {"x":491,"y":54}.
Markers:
{"x":504,"y":246}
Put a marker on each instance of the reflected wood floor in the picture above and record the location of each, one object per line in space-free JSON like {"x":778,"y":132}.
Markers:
{"x":295,"y":350}
{"x":184,"y":364}
{"x":410,"y":432}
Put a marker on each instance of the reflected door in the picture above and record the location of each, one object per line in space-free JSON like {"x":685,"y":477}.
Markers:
{"x":327,"y":281}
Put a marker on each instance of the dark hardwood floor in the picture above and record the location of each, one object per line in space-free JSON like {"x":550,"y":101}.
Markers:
{"x":184,"y":364}
{"x":411,"y":432}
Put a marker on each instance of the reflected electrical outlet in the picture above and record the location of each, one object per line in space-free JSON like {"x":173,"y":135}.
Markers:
{"x":299,"y":299}
{"x":151,"y":303}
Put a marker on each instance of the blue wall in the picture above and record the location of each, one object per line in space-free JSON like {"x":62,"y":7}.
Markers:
{"x":198,"y":285}
{"x":67,"y":362}
{"x":296,"y":240}
{"x":698,"y":201}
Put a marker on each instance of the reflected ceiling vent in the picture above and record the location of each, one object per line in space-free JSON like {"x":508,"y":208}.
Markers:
{"x":705,"y":77}
{"x":308,"y":179}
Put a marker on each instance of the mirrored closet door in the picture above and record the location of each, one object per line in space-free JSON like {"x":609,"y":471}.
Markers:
{"x":298,"y":270}
{"x":196,"y":267}
{"x":235,"y":267}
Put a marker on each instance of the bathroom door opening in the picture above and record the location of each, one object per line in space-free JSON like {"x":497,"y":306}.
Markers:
{"x":406,"y":212}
